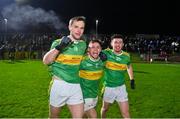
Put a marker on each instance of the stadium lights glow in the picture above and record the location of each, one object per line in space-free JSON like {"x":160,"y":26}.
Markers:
{"x":97,"y":27}
{"x":5,"y":21}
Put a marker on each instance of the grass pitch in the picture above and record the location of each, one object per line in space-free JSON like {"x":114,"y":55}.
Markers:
{"x":24,"y":91}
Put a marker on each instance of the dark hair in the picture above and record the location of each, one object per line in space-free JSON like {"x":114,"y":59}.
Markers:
{"x":96,"y":41}
{"x":77,"y":18}
{"x":117,"y":36}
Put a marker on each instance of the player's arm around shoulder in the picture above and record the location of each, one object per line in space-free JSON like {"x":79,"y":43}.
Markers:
{"x":103,"y":55}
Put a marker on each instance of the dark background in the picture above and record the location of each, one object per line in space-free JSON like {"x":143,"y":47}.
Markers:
{"x":123,"y":16}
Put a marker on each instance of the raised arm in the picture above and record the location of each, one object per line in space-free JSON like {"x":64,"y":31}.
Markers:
{"x":50,"y":56}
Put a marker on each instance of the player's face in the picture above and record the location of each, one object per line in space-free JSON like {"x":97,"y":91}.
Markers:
{"x":117,"y":44}
{"x":77,"y":29}
{"x":94,"y":50}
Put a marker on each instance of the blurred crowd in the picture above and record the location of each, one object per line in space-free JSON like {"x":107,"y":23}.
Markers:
{"x":34,"y":46}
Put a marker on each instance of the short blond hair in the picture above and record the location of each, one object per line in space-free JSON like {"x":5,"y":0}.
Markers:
{"x":77,"y":18}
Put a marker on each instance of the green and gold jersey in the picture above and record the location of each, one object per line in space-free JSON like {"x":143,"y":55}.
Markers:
{"x":115,"y":68}
{"x":90,"y":74}
{"x":66,"y":64}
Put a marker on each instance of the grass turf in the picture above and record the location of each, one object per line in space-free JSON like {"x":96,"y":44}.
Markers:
{"x":24,"y":91}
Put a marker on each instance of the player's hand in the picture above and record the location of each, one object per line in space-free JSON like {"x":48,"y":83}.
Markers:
{"x":132,"y":83}
{"x":102,"y":56}
{"x":65,"y":41}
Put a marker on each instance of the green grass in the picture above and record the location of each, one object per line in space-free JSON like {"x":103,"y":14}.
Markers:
{"x":24,"y":91}
{"x":157,"y":92}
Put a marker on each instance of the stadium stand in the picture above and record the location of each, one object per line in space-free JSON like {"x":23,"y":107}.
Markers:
{"x":34,"y":46}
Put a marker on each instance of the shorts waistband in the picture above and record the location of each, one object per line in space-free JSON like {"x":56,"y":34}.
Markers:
{"x":56,"y":78}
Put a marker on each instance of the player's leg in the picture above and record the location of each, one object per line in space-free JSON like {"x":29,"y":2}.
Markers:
{"x":75,"y":101}
{"x":77,"y":110}
{"x":54,"y":111}
{"x":108,"y":98}
{"x":89,"y":107}
{"x":57,"y":98}
{"x":91,"y":113}
{"x":122,"y":100}
{"x":104,"y":109}
{"x":124,"y":108}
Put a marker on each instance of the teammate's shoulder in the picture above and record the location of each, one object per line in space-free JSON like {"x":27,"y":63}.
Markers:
{"x":55,"y":43}
{"x":82,"y":41}
{"x":125,"y":53}
{"x":57,"y":40}
{"x":107,"y":50}
{"x":85,"y":57}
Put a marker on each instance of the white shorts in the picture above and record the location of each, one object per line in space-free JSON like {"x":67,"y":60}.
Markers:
{"x":90,"y":103}
{"x":63,"y":93}
{"x":118,"y":93}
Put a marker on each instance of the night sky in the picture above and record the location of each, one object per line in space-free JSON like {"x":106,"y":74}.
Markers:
{"x":124,"y":16}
